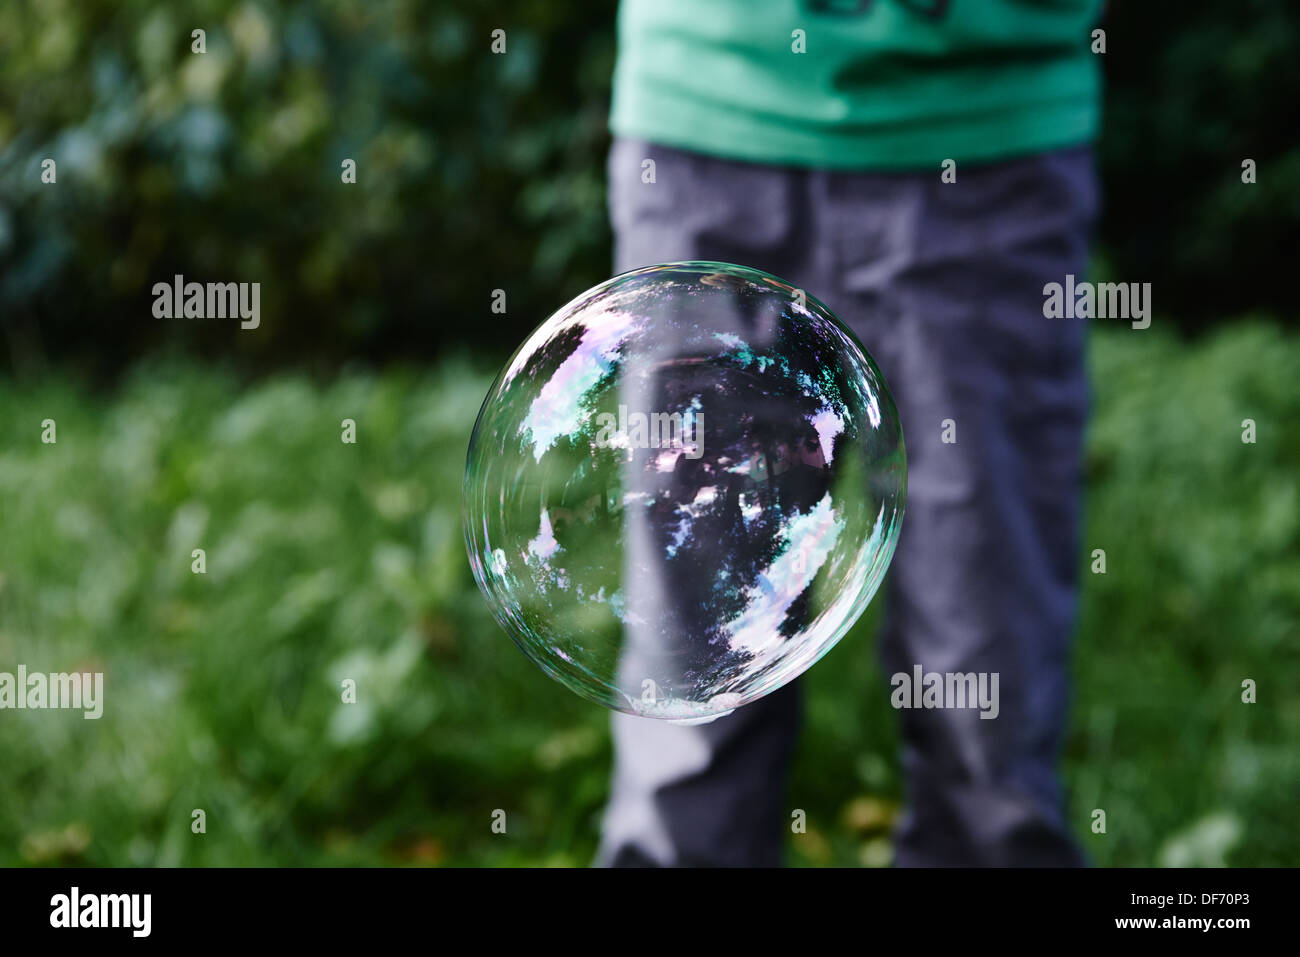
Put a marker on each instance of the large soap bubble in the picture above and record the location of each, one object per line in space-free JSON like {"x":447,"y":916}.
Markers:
{"x":683,"y":489}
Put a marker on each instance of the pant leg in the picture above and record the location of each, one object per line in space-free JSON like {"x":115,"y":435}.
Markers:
{"x":944,"y":284}
{"x":711,"y":794}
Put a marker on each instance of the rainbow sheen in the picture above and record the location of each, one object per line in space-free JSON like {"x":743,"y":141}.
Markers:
{"x":683,"y":489}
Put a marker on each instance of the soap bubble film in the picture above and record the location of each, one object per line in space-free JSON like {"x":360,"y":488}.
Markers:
{"x":683,"y":489}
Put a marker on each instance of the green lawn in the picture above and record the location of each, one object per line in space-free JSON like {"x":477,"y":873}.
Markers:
{"x":328,"y":561}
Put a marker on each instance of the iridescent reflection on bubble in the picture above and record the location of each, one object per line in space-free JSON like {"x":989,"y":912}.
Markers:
{"x":683,"y":489}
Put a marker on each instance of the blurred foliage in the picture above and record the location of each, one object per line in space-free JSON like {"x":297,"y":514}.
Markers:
{"x":475,"y":172}
{"x":1193,"y":91}
{"x":479,"y":171}
{"x":328,"y":561}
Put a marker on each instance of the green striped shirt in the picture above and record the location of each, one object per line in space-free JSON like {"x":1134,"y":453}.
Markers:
{"x":858,"y":84}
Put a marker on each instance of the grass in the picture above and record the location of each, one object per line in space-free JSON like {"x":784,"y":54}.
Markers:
{"x":327,"y":561}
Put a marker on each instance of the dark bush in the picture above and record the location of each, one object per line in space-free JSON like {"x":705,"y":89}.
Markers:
{"x":475,"y":172}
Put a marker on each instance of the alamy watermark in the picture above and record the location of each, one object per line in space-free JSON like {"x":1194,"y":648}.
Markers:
{"x":946,"y":689}
{"x":654,"y":430}
{"x":179,"y":299}
{"x":1103,"y":300}
{"x":78,"y":690}
{"x":75,"y":909}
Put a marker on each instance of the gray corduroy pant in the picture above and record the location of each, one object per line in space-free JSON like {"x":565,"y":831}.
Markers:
{"x":943,"y":283}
